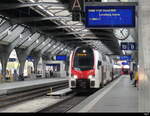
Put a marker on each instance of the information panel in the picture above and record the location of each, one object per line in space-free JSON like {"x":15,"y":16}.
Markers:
{"x":128,"y":46}
{"x":128,"y":58}
{"x":64,"y":58}
{"x":110,"y":16}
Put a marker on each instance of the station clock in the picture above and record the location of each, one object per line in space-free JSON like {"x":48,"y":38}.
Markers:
{"x":121,"y":33}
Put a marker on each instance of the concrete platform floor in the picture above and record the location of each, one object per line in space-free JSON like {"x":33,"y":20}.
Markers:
{"x":118,"y":96}
{"x":23,"y":85}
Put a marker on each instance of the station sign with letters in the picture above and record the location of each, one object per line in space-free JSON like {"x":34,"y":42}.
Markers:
{"x":124,"y":46}
{"x":132,"y":46}
{"x":125,"y":63}
{"x":63,"y":58}
{"x":12,"y":59}
{"x":128,"y":46}
{"x":52,"y":64}
{"x":30,"y":58}
{"x":110,"y":16}
{"x":127,"y":58}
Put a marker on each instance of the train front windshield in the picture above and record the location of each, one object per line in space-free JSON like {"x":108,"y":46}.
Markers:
{"x":84,"y":59}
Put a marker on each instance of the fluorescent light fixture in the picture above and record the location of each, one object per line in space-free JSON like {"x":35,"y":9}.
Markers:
{"x":20,"y":36}
{"x":37,"y":41}
{"x":9,"y":32}
{"x":29,"y":39}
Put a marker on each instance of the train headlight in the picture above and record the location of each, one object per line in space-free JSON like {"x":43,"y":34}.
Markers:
{"x":90,"y":77}
{"x":75,"y":76}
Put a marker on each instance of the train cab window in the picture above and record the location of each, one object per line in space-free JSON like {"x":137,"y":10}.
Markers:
{"x":84,"y":60}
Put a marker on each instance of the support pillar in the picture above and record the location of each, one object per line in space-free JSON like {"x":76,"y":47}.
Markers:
{"x":4,"y":66}
{"x":144,"y":55}
{"x":4,"y":58}
{"x":35,"y":63}
{"x":22,"y":59}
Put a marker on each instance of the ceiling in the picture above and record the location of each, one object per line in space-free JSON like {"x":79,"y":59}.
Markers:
{"x":47,"y":26}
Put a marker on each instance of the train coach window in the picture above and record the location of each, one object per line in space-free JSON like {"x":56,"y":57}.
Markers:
{"x":99,"y":64}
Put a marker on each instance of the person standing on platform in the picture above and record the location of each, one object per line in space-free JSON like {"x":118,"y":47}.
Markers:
{"x":15,"y":75}
{"x":135,"y":79}
{"x":131,"y":75}
{"x":1,"y":76}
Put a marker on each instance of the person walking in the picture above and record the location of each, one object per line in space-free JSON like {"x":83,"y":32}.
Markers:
{"x":135,"y":79}
{"x":131,"y":75}
{"x":15,"y":75}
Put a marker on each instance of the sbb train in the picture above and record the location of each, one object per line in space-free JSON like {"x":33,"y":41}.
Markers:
{"x":89,"y":69}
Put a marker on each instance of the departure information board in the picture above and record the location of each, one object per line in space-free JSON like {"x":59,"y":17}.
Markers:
{"x":110,"y":16}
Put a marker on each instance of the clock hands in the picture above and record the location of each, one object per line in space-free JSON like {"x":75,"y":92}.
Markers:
{"x":122,"y":32}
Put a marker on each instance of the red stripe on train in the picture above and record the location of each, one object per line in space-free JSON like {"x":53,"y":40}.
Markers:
{"x":83,"y":74}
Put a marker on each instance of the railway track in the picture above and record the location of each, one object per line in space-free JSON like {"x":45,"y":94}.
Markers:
{"x":66,"y":104}
{"x":7,"y":100}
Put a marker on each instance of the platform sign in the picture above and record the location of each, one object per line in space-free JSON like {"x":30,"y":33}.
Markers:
{"x":52,"y":64}
{"x":128,"y":58}
{"x":124,"y":46}
{"x":12,"y":59}
{"x":63,"y":58}
{"x":128,"y":46}
{"x":30,"y":58}
{"x":110,"y":16}
{"x":125,"y":63}
{"x":132,"y":46}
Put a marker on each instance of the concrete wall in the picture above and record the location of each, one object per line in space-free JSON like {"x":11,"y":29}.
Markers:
{"x":144,"y":55}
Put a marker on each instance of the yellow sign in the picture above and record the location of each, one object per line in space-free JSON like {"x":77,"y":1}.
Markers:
{"x":81,"y":54}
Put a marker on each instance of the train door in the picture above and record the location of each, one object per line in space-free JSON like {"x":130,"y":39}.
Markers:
{"x":102,"y":76}
{"x":99,"y":79}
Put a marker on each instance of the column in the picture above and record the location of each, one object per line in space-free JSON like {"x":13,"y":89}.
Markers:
{"x":144,"y":55}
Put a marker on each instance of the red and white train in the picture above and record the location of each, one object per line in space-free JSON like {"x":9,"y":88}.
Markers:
{"x":89,"y":69}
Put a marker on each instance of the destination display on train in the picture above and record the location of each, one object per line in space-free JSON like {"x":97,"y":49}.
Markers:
{"x":110,"y":16}
{"x":81,"y":54}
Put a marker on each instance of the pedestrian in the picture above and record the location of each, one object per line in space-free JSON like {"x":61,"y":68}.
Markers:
{"x":135,"y":79}
{"x":131,"y":75}
{"x":15,"y":75}
{"x":21,"y":78}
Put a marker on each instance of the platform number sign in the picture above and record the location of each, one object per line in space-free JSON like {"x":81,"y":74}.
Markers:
{"x":132,"y":46}
{"x":124,"y":46}
{"x":128,"y":46}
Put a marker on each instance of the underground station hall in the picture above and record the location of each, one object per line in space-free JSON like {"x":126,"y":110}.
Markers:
{"x":75,"y":56}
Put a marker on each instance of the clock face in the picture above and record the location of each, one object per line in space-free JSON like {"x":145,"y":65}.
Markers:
{"x":121,"y":33}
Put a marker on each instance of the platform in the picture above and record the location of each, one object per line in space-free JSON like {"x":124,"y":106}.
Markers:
{"x":8,"y":88}
{"x":118,"y":96}
{"x":33,"y":105}
{"x":60,"y":92}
